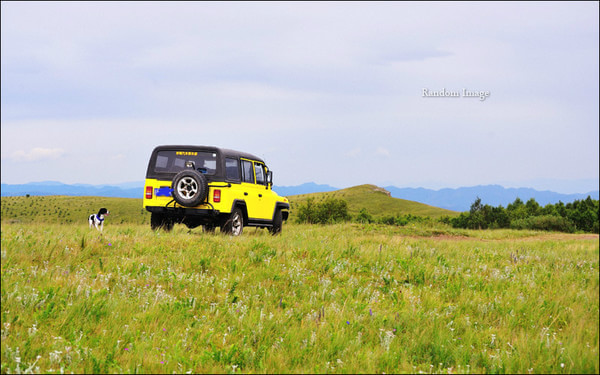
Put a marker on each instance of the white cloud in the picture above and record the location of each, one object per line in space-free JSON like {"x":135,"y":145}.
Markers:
{"x":382,"y":151}
{"x":353,"y":152}
{"x":37,"y":153}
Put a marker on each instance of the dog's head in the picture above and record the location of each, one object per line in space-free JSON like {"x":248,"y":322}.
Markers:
{"x":103,"y":211}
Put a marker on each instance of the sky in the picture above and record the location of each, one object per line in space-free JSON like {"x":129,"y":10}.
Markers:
{"x":338,"y":93}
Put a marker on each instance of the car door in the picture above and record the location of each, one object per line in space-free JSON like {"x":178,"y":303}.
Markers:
{"x":250,"y":189}
{"x":265,"y":199}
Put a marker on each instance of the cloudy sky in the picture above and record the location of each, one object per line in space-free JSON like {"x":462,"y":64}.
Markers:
{"x":334,"y":93}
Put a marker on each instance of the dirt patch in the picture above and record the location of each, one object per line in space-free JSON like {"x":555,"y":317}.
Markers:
{"x":447,"y":237}
{"x":541,"y":237}
{"x":561,"y":237}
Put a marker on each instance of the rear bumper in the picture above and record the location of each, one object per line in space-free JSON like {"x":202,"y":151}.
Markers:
{"x":184,"y":211}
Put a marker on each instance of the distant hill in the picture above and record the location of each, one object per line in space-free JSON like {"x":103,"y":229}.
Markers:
{"x":377,"y":201}
{"x":461,"y":199}
{"x":307,"y":188}
{"x":126,"y":190}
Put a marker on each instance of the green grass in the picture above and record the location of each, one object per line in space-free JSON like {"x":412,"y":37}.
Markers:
{"x":376,"y":202}
{"x":344,"y":298}
{"x":71,"y":210}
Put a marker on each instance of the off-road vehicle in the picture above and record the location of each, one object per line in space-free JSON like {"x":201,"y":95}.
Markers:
{"x":213,"y":187}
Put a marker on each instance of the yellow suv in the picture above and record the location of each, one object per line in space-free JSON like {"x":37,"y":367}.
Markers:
{"x":211,"y":186}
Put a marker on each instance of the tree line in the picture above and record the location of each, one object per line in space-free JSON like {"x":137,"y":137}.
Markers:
{"x":580,"y":215}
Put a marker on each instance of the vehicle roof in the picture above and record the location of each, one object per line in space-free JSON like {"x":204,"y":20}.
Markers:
{"x":222,"y":151}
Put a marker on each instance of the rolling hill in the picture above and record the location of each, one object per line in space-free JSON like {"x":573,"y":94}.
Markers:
{"x":377,"y":201}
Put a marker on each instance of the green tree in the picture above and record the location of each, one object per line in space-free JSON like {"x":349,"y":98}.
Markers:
{"x":516,"y":210}
{"x":476,"y":215}
{"x":532,"y":207}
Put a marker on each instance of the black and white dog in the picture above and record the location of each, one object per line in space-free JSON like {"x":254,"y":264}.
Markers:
{"x":98,"y":219}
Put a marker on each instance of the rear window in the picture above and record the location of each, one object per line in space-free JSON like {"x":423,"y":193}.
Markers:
{"x":174,"y":161}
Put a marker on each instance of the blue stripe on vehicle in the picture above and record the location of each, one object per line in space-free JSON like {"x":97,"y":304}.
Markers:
{"x":163,"y":192}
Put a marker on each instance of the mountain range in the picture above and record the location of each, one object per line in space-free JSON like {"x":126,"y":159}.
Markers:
{"x":459,"y":199}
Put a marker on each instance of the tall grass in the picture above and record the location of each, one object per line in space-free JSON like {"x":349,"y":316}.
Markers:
{"x":325,"y":299}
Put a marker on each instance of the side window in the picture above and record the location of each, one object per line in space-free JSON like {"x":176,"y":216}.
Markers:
{"x":260,"y":174}
{"x":248,"y":175}
{"x":232,"y":169}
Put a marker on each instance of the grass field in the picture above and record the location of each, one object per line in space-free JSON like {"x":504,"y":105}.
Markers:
{"x":320,"y":299}
{"x":62,"y":209}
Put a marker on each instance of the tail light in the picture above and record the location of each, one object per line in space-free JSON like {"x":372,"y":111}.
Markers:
{"x":148,"y":192}
{"x":217,"y":195}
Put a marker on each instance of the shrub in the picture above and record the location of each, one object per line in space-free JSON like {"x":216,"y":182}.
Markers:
{"x":330,"y":210}
{"x":401,"y":220}
{"x":307,"y":212}
{"x":544,"y":222}
{"x":365,"y":217}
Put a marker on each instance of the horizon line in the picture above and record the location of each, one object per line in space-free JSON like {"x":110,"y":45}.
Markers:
{"x":116,"y":185}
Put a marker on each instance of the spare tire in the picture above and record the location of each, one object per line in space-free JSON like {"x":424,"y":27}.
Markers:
{"x":190,"y":188}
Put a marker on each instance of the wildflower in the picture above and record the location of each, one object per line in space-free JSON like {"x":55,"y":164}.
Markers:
{"x":562,"y":365}
{"x":370,"y":312}
{"x":109,"y":244}
{"x":126,"y":348}
{"x":347,"y":322}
